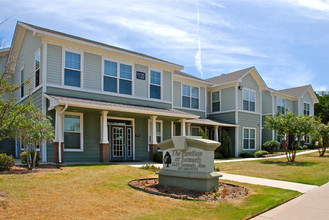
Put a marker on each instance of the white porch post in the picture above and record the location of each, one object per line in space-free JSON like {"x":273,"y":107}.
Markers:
{"x":59,"y":131}
{"x":104,"y":132}
{"x":182,"y":127}
{"x":172,"y":128}
{"x":188,"y":125}
{"x":216,"y":132}
{"x":153,"y":129}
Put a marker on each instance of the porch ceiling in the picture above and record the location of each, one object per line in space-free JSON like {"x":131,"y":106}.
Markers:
{"x":110,"y":106}
{"x":203,"y":121}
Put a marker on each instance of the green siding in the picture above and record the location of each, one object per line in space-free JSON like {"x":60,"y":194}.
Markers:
{"x":208,"y":102}
{"x":103,"y":97}
{"x":141,"y":87}
{"x":167,"y":78}
{"x":54,"y":64}
{"x":141,"y":139}
{"x":227,"y":99}
{"x":266,"y":133}
{"x":267,"y":103}
{"x":295,"y":107}
{"x":307,"y":98}
{"x":3,"y":62}
{"x":201,"y":114}
{"x":7,"y":146}
{"x":92,"y":72}
{"x":178,"y":94}
{"x":202,"y":98}
{"x":227,"y":117}
{"x":166,"y":129}
{"x":37,"y":98}
{"x":247,"y":120}
{"x":289,"y":105}
{"x":248,"y":82}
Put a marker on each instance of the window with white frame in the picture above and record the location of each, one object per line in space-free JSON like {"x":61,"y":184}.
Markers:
{"x":72,"y":69}
{"x":280,"y":105}
{"x":190,"y":97}
{"x":306,"y":108}
{"x":249,"y":138}
{"x":249,"y":100}
{"x":159,"y":131}
{"x":22,"y":147}
{"x":73,"y":131}
{"x":307,"y":139}
{"x":155,"y":85}
{"x":215,"y":97}
{"x":37,"y":68}
{"x":117,"y":82}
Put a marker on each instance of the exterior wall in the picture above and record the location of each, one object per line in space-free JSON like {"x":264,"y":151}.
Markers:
{"x":200,"y":113}
{"x":3,"y":62}
{"x":296,"y":108}
{"x":30,"y":46}
{"x":308,"y":99}
{"x":267,"y":106}
{"x":289,"y":105}
{"x":266,"y":133}
{"x":178,"y":94}
{"x":227,"y":117}
{"x":54,"y":64}
{"x":167,"y":85}
{"x":247,"y":120}
{"x":248,"y":82}
{"x":228,"y":99}
{"x":141,"y":87}
{"x":91,"y":72}
{"x":7,"y":146}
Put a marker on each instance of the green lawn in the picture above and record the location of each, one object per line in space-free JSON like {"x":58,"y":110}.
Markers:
{"x":101,"y":192}
{"x":308,"y":168}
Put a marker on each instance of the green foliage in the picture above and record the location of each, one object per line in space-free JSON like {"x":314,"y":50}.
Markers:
{"x":203,"y":135}
{"x":23,"y":157}
{"x":246,"y":155}
{"x":270,"y":146}
{"x":260,"y":153}
{"x":6,"y":162}
{"x":216,"y":169}
{"x":321,"y":109}
{"x":157,"y":157}
{"x":218,"y":155}
{"x":320,"y":135}
{"x":150,"y":167}
{"x":226,"y":146}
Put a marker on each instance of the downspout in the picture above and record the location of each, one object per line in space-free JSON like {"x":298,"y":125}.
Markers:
{"x":60,"y":134}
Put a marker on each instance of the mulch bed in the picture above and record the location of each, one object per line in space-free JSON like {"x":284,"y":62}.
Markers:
{"x":42,"y":168}
{"x":225,"y":191}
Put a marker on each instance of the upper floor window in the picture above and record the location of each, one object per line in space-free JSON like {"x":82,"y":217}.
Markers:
{"x":117,"y":82}
{"x":190,"y":98}
{"x":249,"y":100}
{"x":73,"y":134}
{"x":215,"y":97}
{"x":37,"y":68}
{"x":72,"y":70}
{"x":249,"y":138}
{"x":306,"y":108}
{"x":155,"y":85}
{"x":280,"y":105}
{"x":22,"y":83}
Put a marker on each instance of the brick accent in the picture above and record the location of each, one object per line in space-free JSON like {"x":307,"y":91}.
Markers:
{"x":104,"y":152}
{"x":153,"y":150}
{"x":56,"y":149}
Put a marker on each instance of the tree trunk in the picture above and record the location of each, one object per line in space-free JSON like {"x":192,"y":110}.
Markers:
{"x":28,"y":157}
{"x":34,"y":157}
{"x":324,"y":147}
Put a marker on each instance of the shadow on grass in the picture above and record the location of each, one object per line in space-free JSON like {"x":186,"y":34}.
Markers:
{"x":293,"y":164}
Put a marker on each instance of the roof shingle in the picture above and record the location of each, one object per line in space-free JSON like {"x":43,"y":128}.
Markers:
{"x":229,"y":77}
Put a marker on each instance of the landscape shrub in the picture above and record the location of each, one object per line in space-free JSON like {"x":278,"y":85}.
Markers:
{"x":305,"y":147}
{"x":260,"y":153}
{"x":150,"y":167}
{"x":300,"y":147}
{"x":157,"y":157}
{"x":270,"y":146}
{"x":246,"y":155}
{"x":23,"y":157}
{"x":218,"y":155}
{"x":6,"y":162}
{"x":226,"y":146}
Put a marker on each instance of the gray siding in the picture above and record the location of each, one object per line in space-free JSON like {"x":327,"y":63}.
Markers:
{"x":37,"y":98}
{"x":141,"y":86}
{"x":3,"y":62}
{"x":295,"y":108}
{"x":141,"y":139}
{"x":178,"y":94}
{"x":167,"y":78}
{"x":307,"y":98}
{"x":227,"y":117}
{"x":247,"y":120}
{"x":248,"y":82}
{"x":92,"y":72}
{"x":202,"y":98}
{"x":289,"y":105}
{"x":228,"y":99}
{"x":267,"y":107}
{"x":266,"y":133}
{"x":208,"y":102}
{"x":54,"y":64}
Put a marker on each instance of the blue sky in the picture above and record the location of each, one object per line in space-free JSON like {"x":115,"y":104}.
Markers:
{"x":286,"y":40}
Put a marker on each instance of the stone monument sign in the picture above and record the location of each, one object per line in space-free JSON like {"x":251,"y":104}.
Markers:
{"x":188,"y":162}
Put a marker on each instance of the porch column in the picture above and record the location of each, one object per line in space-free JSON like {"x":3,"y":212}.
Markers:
{"x":104,"y":145}
{"x":216,"y":132}
{"x":153,"y":147}
{"x":182,"y":127}
{"x":188,"y":126}
{"x":58,"y":144}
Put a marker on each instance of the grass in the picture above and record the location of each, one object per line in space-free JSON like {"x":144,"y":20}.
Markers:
{"x":308,"y":169}
{"x":102,"y":192}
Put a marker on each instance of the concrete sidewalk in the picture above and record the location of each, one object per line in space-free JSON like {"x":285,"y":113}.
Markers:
{"x":312,"y":205}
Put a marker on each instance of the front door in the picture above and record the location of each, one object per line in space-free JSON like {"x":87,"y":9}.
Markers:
{"x":121,"y":143}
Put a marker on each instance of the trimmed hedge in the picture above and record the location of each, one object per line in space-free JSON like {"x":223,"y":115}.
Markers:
{"x":246,"y":155}
{"x":260,"y":153}
{"x":270,"y":146}
{"x":218,"y":155}
{"x":6,"y":162}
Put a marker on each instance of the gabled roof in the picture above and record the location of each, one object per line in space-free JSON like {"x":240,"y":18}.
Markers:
{"x":298,"y":92}
{"x":185,"y":75}
{"x":229,"y":77}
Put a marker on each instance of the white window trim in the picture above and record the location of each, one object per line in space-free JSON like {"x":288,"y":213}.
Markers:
{"x":118,"y":76}
{"x":149,"y":83}
{"x":65,"y":49}
{"x":35,"y":70}
{"x":149,"y":132}
{"x":249,"y":90}
{"x":249,"y":128}
{"x":81,"y":131}
{"x":309,"y":139}
{"x":190,"y":97}
{"x":304,"y":107}
{"x":220,"y":101}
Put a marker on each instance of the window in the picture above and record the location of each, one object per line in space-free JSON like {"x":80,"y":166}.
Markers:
{"x":249,"y":99}
{"x":114,"y":82}
{"x":249,"y":138}
{"x":72,"y":70}
{"x":195,"y":131}
{"x":307,"y":140}
{"x":22,"y":83}
{"x":73,"y":132}
{"x":215,"y":97}
{"x":190,"y":98}
{"x":281,"y":105}
{"x":37,"y":68}
{"x":306,"y":108}
{"x":155,"y":85}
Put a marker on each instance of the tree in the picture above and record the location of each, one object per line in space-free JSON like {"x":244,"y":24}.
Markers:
{"x":290,"y":124}
{"x":321,"y":109}
{"x":320,"y":135}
